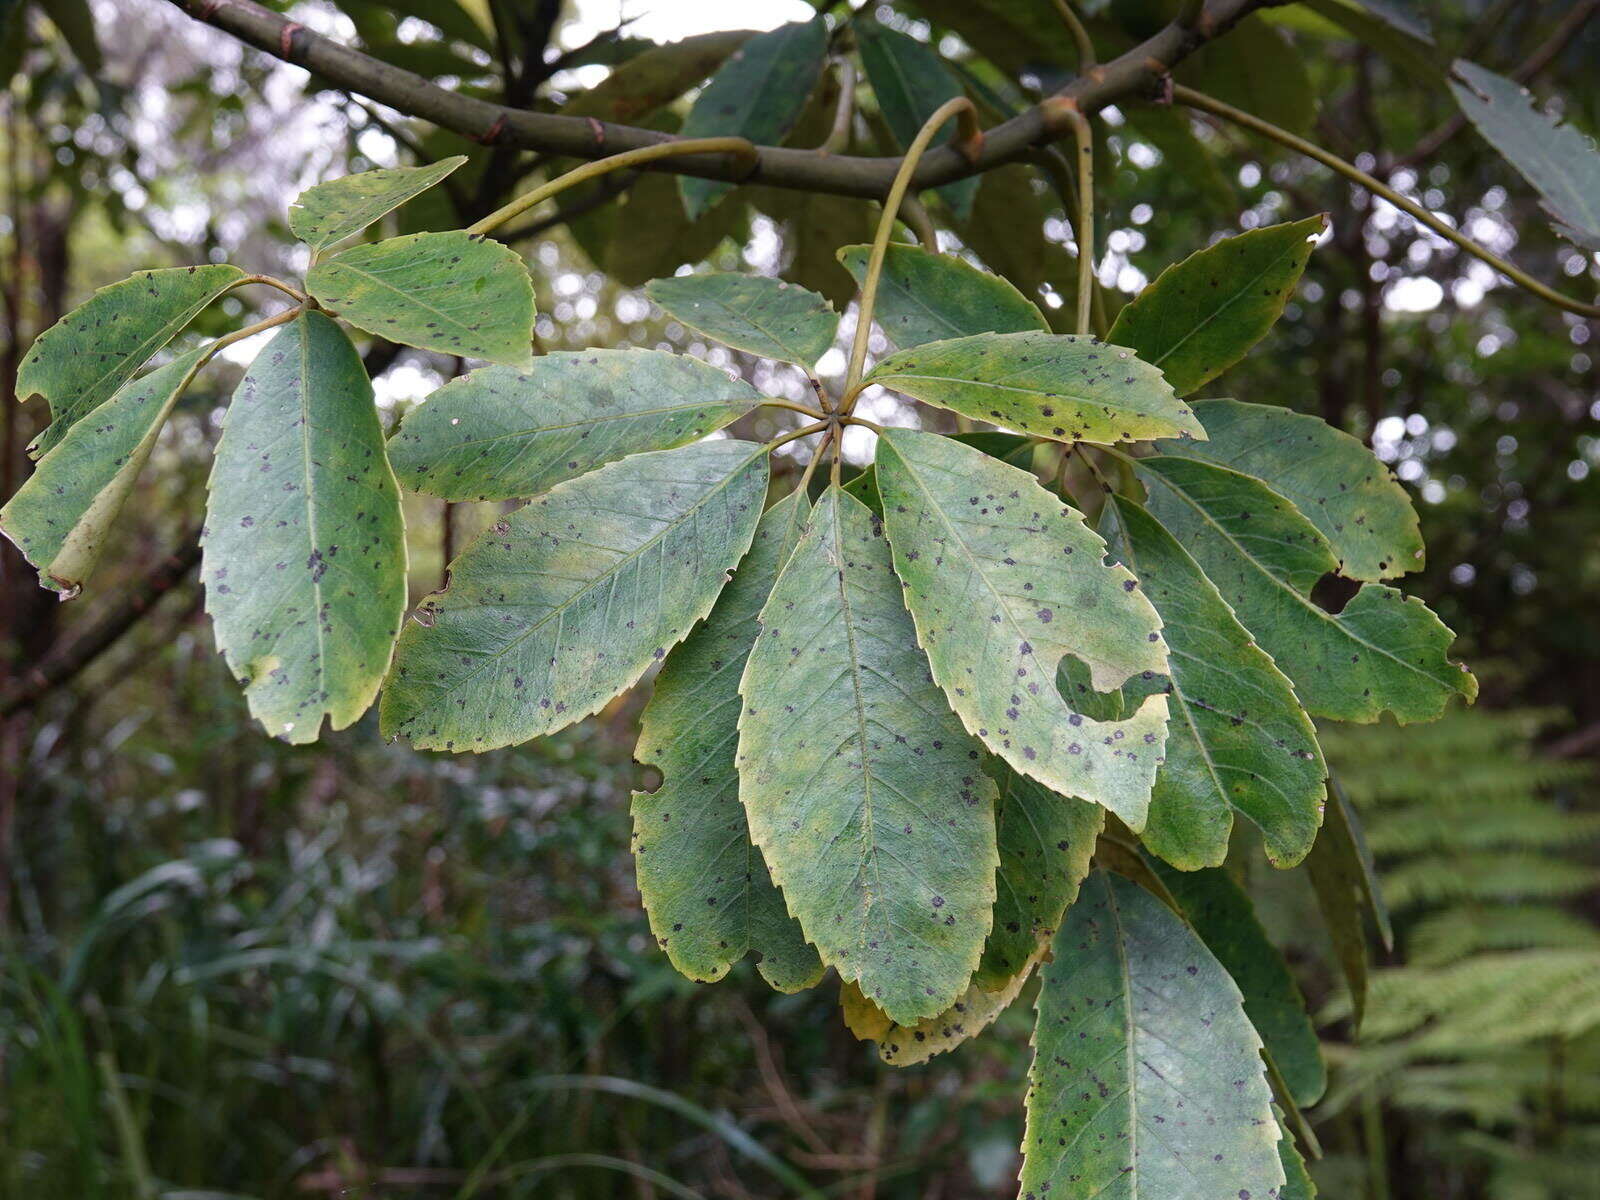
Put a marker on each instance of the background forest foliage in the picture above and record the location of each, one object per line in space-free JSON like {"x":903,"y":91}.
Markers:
{"x":232,"y":967}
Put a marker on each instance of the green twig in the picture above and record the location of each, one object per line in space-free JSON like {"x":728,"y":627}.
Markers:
{"x":738,"y":146}
{"x":1377,"y":187}
{"x":969,"y":137}
{"x":1080,"y":35}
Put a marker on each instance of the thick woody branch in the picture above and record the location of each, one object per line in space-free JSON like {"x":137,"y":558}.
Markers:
{"x":1134,"y":74}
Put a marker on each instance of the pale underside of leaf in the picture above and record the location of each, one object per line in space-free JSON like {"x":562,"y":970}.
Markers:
{"x":1004,"y":580}
{"x":926,"y":297}
{"x":1203,"y":314}
{"x":305,"y":557}
{"x":1381,"y":652}
{"x":80,"y":362}
{"x":333,"y":211}
{"x":753,"y":313}
{"x":704,"y":884}
{"x":1238,"y":739}
{"x":501,"y":433}
{"x":450,"y":292}
{"x":1069,"y":388}
{"x":1147,"y":1081}
{"x":865,"y":795}
{"x":566,"y":602}
{"x":1561,"y":161}
{"x":1046,"y":844}
{"x":908,"y":1045}
{"x":1333,"y":479}
{"x":61,"y":515}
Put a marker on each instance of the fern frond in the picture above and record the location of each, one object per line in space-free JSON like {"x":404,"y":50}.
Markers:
{"x":1485,"y":876}
{"x":1444,"y":937}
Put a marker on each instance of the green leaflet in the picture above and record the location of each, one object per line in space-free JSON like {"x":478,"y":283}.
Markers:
{"x":80,"y":361}
{"x":1074,"y":389}
{"x":758,"y":94}
{"x":1046,"y":841}
{"x":1238,"y":739}
{"x":1222,"y":914}
{"x":908,"y":1045}
{"x":560,"y":606}
{"x":1383,"y":651}
{"x":305,"y":555}
{"x":704,"y":884}
{"x":910,"y":82}
{"x":863,"y":792}
{"x":60,"y":516}
{"x":450,"y":292}
{"x":1004,"y":580}
{"x":1561,"y":161}
{"x":332,"y":211}
{"x":1260,"y":71}
{"x":1203,"y":314}
{"x":1006,"y":230}
{"x":754,"y":313}
{"x":927,"y":297}
{"x":637,"y":88}
{"x":1333,"y":479}
{"x":1346,"y":884}
{"x":1147,"y":1082}
{"x":1387,"y":28}
{"x":500,"y":433}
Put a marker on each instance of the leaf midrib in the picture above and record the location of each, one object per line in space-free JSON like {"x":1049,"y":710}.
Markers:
{"x":611,"y":573}
{"x":1305,"y":602}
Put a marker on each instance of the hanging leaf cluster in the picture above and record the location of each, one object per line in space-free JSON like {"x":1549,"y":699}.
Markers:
{"x":986,"y":715}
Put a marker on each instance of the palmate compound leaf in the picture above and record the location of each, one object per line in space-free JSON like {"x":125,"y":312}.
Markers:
{"x":60,"y":517}
{"x":1221,"y":913}
{"x":500,"y":433}
{"x":754,"y":313}
{"x":1382,"y":652}
{"x":1004,"y":580}
{"x":907,"y":1045}
{"x":1203,"y":314}
{"x":1046,"y":843}
{"x":1332,"y":478}
{"x":910,"y":82}
{"x":304,"y":545}
{"x":1238,"y":739}
{"x":926,"y":297}
{"x":451,"y":292}
{"x":759,"y":93}
{"x":867,"y":798}
{"x":704,"y":884}
{"x":1147,"y":1081}
{"x":80,"y":361}
{"x":333,"y":211}
{"x":566,"y":602}
{"x":1060,"y":386}
{"x":1561,"y":161}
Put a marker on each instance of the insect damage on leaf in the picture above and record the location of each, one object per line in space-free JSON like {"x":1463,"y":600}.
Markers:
{"x":1004,"y":581}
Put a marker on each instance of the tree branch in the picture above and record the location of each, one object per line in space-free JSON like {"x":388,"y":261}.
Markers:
{"x":350,"y":70}
{"x":64,"y":664}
